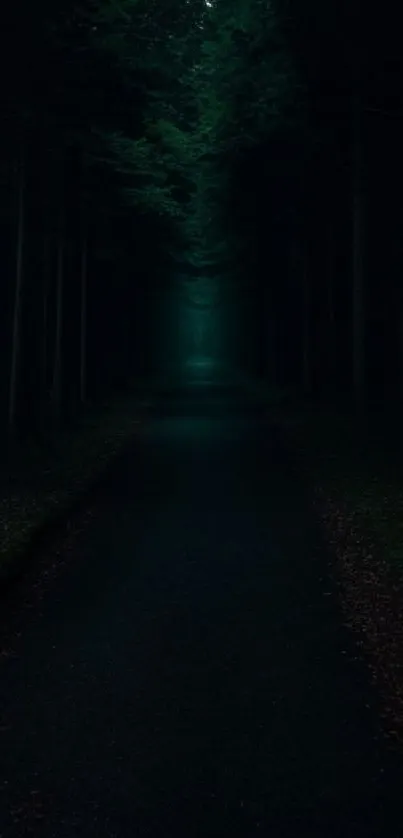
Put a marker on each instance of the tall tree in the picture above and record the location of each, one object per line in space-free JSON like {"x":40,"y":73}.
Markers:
{"x":16,"y":328}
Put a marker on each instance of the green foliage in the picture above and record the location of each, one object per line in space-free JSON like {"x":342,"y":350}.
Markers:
{"x":247,"y":83}
{"x":245,"y":87}
{"x":189,"y":86}
{"x":151,"y":167}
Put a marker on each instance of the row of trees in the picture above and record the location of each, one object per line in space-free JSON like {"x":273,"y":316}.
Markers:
{"x":256,"y":142}
{"x":95,"y":178}
{"x":312,"y":202}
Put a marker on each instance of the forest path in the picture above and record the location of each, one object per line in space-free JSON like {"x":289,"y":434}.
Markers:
{"x":188,"y":674}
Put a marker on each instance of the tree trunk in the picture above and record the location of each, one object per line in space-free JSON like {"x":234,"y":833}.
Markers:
{"x":400,"y":337}
{"x":330,"y":277}
{"x":331,"y":317}
{"x":45,"y":315}
{"x":358,"y":276}
{"x":306,"y":327}
{"x":83,"y":321}
{"x":15,"y":349}
{"x":273,"y":352}
{"x":57,"y":361}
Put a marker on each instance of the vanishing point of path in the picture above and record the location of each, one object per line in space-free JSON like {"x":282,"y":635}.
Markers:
{"x":187,"y":674}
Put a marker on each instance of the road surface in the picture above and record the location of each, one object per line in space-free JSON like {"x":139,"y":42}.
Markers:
{"x":187,"y":673}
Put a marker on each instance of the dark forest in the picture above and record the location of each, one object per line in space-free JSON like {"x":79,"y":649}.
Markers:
{"x":201,"y":400}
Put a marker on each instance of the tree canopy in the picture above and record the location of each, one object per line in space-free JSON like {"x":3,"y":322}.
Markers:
{"x":220,"y":139}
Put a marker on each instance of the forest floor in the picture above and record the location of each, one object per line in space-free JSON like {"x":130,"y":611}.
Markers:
{"x":40,"y":481}
{"x":355,"y":468}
